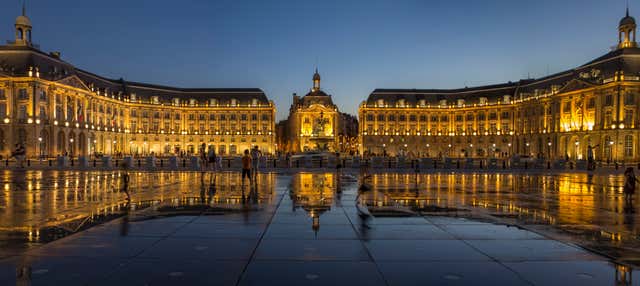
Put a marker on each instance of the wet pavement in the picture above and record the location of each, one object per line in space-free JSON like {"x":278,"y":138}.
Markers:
{"x":77,"y":228}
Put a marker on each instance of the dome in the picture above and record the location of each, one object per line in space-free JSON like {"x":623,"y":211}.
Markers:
{"x":628,"y":20}
{"x":23,"y":21}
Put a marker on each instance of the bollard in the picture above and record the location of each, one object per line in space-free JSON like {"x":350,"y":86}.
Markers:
{"x":138,"y":163}
{"x":435,"y":164}
{"x":94,"y":162}
{"x":481,"y":163}
{"x":458,"y":164}
{"x":28,"y":162}
{"x":71,"y":162}
{"x":229,"y":163}
{"x":411,"y":164}
{"x":548,"y":164}
{"x":298,"y":163}
{"x":525,"y":165}
{"x":117,"y":163}
{"x":571,"y":165}
{"x":274,"y":163}
{"x":161,"y":163}
{"x":49,"y":163}
{"x":321,"y":162}
{"x":504,"y":165}
{"x":616,"y":163}
{"x":184,"y":163}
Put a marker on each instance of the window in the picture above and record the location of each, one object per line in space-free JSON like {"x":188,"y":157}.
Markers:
{"x":233,"y":116}
{"x":566,"y":107}
{"x":176,"y":116}
{"x":369,"y":117}
{"x":22,"y":94}
{"x":380,"y":117}
{"x":607,"y":118}
{"x":212,"y":117}
{"x":243,"y":117}
{"x":628,"y":118}
{"x":392,"y":117}
{"x":254,"y":117}
{"x":591,"y":103}
{"x":492,"y":116}
{"x":402,"y":118}
{"x":423,"y":118}
{"x":167,"y":115}
{"x":459,"y":117}
{"x":22,"y":112}
{"x":3,"y":111}
{"x":43,"y":112}
{"x":481,"y":116}
{"x":145,"y":114}
{"x":265,"y":117}
{"x":156,"y":115}
{"x":505,"y":127}
{"x":2,"y":95}
{"x":628,"y":146}
{"x":629,"y":99}
{"x":470,"y":117}
{"x":43,"y":95}
{"x":434,"y":118}
{"x":201,"y":117}
{"x":608,"y":100}
{"x":412,"y":117}
{"x":444,"y":118}
{"x":505,"y":115}
{"x":192,"y":116}
{"x":223,"y":117}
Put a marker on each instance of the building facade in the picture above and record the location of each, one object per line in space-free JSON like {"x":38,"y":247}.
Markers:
{"x":54,"y":108}
{"x":313,"y":122}
{"x":558,"y":116}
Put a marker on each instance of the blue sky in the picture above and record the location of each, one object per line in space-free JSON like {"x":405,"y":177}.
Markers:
{"x":357,"y":45}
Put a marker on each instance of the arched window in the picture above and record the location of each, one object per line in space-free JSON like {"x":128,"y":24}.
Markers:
{"x":628,"y":146}
{"x":20,"y":34}
{"x":29,"y":35}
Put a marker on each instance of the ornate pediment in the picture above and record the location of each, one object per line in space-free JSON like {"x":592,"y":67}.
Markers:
{"x":575,"y":84}
{"x":74,"y":81}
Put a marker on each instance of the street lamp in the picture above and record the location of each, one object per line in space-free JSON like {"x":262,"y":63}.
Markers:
{"x":72,"y":147}
{"x":40,"y":146}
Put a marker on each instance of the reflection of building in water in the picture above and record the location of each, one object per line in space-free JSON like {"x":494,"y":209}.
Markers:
{"x":313,"y":192}
{"x":46,"y":205}
{"x":556,"y":116}
{"x":53,"y":107}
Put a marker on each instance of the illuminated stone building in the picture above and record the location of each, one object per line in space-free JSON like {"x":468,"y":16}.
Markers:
{"x":53,"y":107}
{"x":312,"y":124}
{"x":557,"y":116}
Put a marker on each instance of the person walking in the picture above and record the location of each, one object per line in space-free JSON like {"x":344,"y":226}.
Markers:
{"x":19,"y":153}
{"x":246,"y":166}
{"x":203,"y":156}
{"x":211,"y":158}
{"x":629,"y":184}
{"x":255,"y":160}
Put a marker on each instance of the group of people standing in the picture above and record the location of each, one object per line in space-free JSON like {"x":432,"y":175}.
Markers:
{"x":250,"y":161}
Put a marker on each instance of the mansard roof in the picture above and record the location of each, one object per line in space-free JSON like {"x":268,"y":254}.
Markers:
{"x":17,"y":60}
{"x":596,"y":72}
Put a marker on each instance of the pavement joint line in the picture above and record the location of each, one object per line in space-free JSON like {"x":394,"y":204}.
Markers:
{"x":487,"y":255}
{"x":253,"y":252}
{"x":386,"y":282}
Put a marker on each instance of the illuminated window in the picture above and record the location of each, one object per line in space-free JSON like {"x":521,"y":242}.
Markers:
{"x":628,"y":118}
{"x":628,"y":146}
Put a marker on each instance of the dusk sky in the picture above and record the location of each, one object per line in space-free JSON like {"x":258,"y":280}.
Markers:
{"x":357,"y":45}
